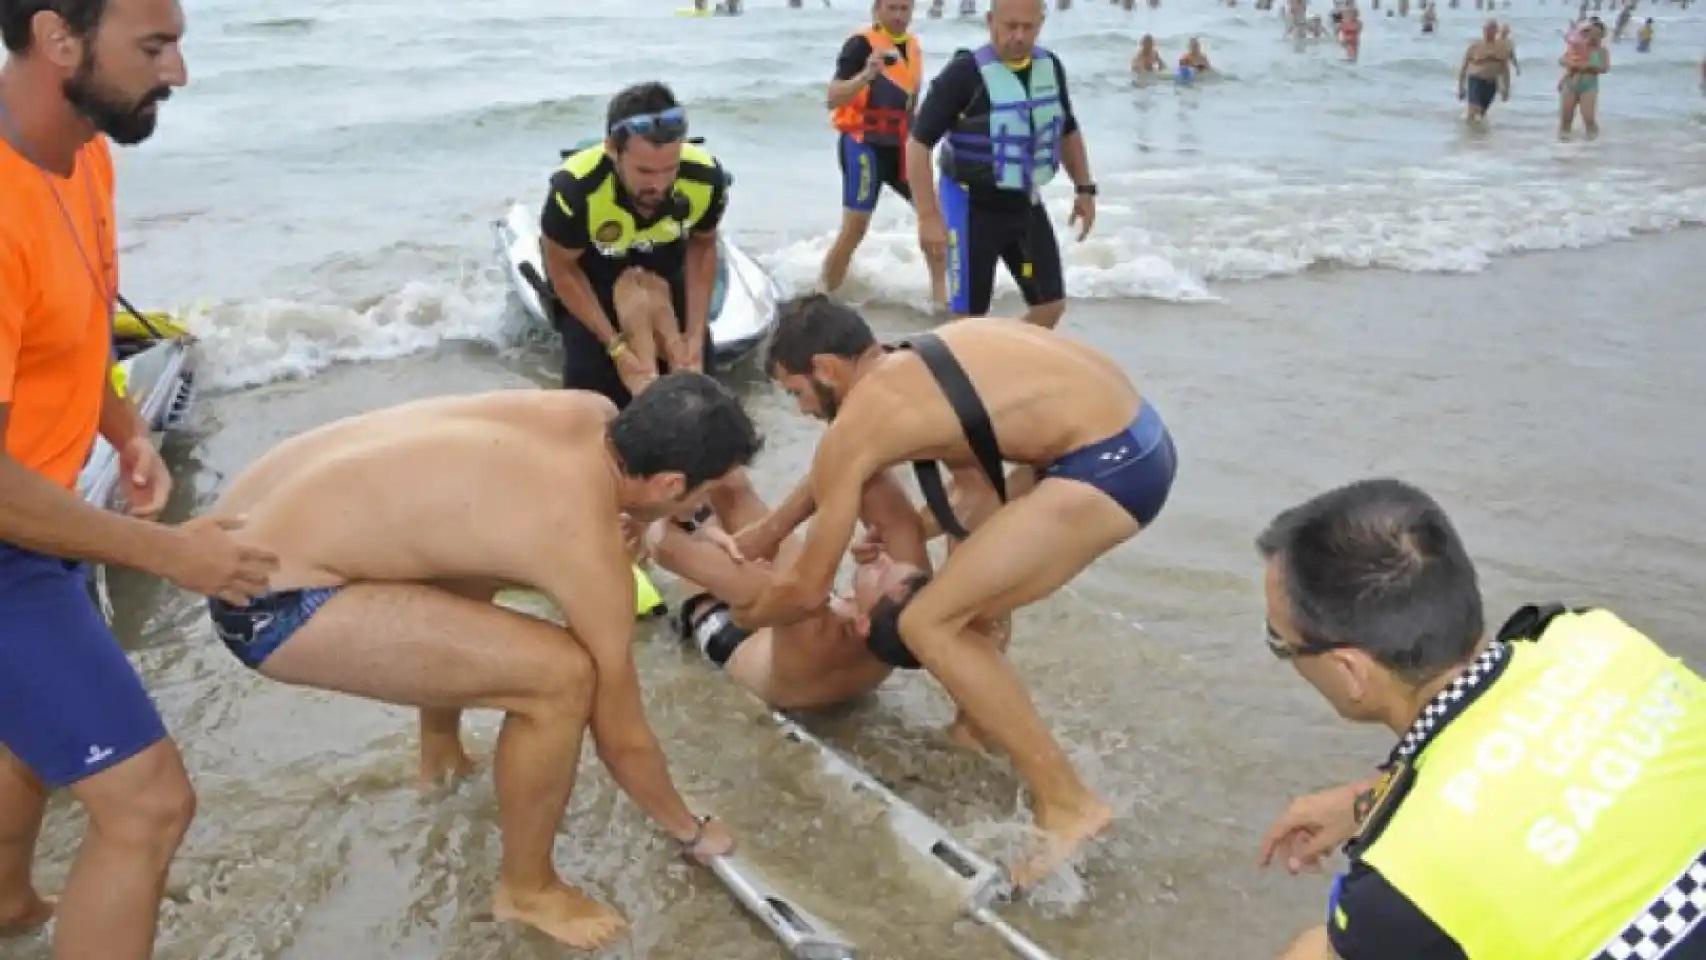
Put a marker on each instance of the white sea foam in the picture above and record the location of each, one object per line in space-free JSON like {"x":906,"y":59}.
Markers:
{"x":246,"y":343}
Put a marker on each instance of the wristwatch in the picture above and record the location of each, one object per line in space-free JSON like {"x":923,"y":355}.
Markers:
{"x":692,"y":524}
{"x":1085,"y":189}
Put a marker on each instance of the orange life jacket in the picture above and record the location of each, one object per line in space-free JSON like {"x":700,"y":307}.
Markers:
{"x":881,"y":113}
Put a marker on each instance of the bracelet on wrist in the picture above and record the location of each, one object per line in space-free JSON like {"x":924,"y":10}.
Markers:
{"x":698,"y":833}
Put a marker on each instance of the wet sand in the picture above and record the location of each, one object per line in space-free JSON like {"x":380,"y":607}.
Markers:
{"x":1549,"y":403}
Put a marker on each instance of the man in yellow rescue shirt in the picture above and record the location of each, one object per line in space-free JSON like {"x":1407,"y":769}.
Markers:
{"x":1547,"y":798}
{"x":871,"y":102}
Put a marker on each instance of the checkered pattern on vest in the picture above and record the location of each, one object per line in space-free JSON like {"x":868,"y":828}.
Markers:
{"x":1665,"y":921}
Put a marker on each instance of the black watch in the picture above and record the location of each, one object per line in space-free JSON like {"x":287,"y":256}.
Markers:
{"x":699,"y":518}
{"x":1085,"y":189}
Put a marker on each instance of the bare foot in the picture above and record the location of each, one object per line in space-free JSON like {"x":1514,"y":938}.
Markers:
{"x":441,"y":766}
{"x":1063,"y":835}
{"x":562,"y":913}
{"x":27,"y":917}
{"x":966,"y":735}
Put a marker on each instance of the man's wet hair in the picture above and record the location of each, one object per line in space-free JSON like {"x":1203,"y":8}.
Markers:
{"x":648,"y":97}
{"x":1376,"y":565}
{"x":810,"y":325}
{"x":684,"y":422}
{"x":885,"y":616}
{"x":80,"y":16}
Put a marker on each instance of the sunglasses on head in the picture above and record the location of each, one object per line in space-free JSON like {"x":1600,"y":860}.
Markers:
{"x":664,"y":126}
{"x":1309,"y":648}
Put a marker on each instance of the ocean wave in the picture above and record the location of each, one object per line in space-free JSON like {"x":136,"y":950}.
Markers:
{"x":1259,"y":227}
{"x":245,"y":343}
{"x":273,"y":25}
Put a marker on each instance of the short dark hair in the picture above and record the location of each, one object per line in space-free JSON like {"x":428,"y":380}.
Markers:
{"x":810,"y":325}
{"x":648,"y":97}
{"x":684,"y":422}
{"x":1377,"y":565}
{"x":885,"y":616}
{"x":80,"y":16}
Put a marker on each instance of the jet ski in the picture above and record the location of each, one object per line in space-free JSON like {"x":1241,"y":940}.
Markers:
{"x":743,"y":301}
{"x":156,"y":371}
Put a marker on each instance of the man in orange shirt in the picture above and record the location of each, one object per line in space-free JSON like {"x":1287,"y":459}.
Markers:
{"x":871,"y":100}
{"x":73,"y":712}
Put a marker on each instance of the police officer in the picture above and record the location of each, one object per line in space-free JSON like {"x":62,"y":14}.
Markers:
{"x":1544,"y":799}
{"x":1009,"y":126}
{"x":643,"y":199}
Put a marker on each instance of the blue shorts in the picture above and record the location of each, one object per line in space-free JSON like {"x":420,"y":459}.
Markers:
{"x":864,"y":169}
{"x":1135,"y":466}
{"x":253,"y":632}
{"x":71,"y":705}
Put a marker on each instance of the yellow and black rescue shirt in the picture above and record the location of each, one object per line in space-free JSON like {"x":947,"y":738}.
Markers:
{"x":589,"y":210}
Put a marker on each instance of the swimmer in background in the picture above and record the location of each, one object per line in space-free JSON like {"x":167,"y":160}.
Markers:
{"x":1148,"y":59}
{"x":1485,"y":73}
{"x":1350,"y":33}
{"x":1510,"y":47}
{"x":1193,"y":62}
{"x":1579,"y":86}
{"x":1430,"y":18}
{"x":1644,"y":37}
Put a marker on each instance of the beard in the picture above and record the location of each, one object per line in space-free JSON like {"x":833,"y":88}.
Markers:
{"x":125,"y":121}
{"x":826,"y":401}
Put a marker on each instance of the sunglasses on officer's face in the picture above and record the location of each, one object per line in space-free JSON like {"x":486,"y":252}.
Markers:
{"x":664,"y":126}
{"x":1308,"y":648}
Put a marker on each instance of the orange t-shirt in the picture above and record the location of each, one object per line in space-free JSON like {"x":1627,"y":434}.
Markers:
{"x":55,"y":323}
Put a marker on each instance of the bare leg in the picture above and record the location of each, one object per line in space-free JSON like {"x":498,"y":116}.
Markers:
{"x":636,"y":325}
{"x":1046,"y":315}
{"x":1590,"y":113}
{"x":443,"y":758}
{"x":1567,"y":110}
{"x":423,"y":646}
{"x":854,"y":223}
{"x":138,"y":812}
{"x":22,"y":800}
{"x":666,"y":326}
{"x":964,"y":731}
{"x":987,"y":577}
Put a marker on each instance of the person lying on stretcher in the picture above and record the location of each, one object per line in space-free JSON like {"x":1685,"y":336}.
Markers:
{"x":841,"y":652}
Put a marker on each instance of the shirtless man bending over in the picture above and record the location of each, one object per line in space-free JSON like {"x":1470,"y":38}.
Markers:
{"x":395,"y":528}
{"x":973,"y":394}
{"x":840,"y":651}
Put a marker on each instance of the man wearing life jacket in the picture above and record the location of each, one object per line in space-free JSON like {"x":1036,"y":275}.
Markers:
{"x":1546,"y":799}
{"x":871,"y":99}
{"x":1009,"y":126}
{"x":73,"y":712}
{"x":644,"y":198}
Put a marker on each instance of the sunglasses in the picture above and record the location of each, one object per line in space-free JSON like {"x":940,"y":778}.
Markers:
{"x":1309,"y":648}
{"x":665,"y":126}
